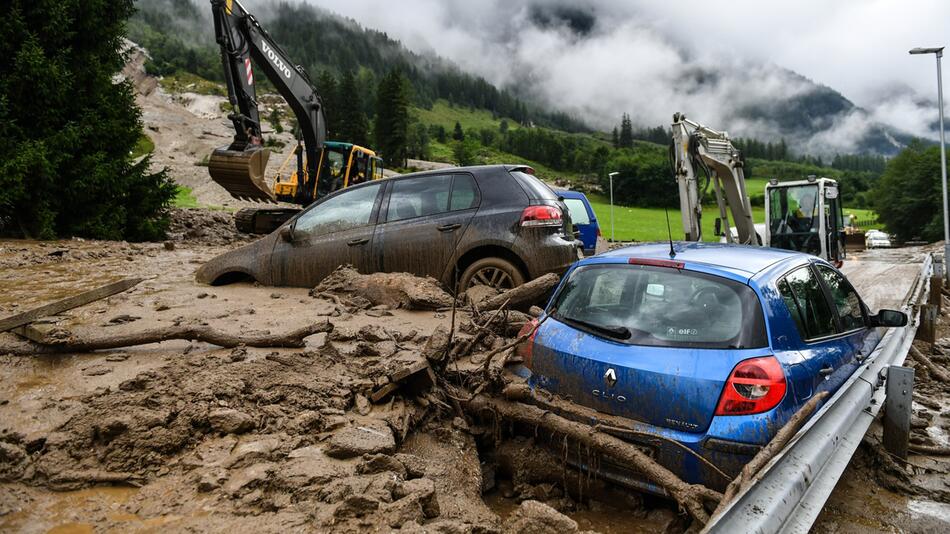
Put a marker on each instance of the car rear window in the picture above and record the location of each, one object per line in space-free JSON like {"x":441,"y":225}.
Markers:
{"x":657,"y":306}
{"x":578,"y":210}
{"x":535,"y":188}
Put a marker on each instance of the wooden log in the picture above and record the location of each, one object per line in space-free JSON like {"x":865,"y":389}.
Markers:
{"x":68,"y":303}
{"x":522,"y":296}
{"x":935,"y":371}
{"x":292,"y":339}
{"x":691,"y":497}
{"x":778,"y":442}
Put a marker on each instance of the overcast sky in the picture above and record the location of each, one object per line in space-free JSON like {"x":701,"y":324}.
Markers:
{"x":635,"y":53}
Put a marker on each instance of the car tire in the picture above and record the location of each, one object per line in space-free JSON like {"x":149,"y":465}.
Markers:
{"x":493,"y":272}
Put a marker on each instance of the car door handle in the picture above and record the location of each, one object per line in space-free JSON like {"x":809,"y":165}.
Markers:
{"x":448,"y":227}
{"x":826,"y":370}
{"x":359,"y":241}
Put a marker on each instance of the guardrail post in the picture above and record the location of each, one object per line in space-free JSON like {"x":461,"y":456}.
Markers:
{"x":936,"y":296}
{"x":899,"y":393}
{"x":927,"y":331}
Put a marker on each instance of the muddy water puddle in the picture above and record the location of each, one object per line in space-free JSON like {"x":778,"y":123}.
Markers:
{"x":99,"y":509}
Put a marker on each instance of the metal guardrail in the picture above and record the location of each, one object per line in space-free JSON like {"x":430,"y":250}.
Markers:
{"x":790,"y":491}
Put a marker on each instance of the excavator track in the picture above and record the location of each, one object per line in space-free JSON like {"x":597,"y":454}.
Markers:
{"x":241,"y":173}
{"x":262,"y":220}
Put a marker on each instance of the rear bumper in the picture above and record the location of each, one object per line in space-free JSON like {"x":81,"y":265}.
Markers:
{"x":551,"y":254}
{"x":712,"y":458}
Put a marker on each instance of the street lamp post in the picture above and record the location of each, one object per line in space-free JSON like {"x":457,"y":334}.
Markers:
{"x":611,"y":176}
{"x":943,"y":158}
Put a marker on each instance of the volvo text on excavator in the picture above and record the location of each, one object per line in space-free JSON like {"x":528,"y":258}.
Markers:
{"x":804,"y":215}
{"x":321,"y":166}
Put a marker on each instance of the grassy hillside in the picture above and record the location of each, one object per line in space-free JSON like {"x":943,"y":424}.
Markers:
{"x":445,"y":115}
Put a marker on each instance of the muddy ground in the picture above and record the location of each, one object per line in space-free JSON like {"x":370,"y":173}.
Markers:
{"x":183,"y":435}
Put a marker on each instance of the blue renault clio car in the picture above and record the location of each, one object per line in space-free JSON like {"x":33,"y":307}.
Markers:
{"x":704,"y":355}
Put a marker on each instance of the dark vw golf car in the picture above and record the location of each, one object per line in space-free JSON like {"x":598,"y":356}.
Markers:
{"x":706,"y":354}
{"x":493,"y":225}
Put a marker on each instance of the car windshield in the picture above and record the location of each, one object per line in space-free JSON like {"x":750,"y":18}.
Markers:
{"x":643,"y":305}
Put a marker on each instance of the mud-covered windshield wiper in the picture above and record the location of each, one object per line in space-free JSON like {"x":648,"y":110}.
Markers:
{"x":616,"y":332}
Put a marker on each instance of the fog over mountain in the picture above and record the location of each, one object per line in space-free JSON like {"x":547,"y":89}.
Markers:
{"x":827,"y":76}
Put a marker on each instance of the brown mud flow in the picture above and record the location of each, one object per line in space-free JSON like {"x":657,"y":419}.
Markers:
{"x":189,"y":436}
{"x":181,"y":435}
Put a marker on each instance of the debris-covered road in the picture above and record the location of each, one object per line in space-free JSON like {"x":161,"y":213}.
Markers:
{"x":188,"y":435}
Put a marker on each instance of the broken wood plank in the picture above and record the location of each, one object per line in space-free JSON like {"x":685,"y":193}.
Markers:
{"x":413,"y":378}
{"x":68,"y":303}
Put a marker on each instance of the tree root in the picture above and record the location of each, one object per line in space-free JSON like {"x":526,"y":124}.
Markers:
{"x":691,"y":497}
{"x":292,"y":339}
{"x":929,"y":450}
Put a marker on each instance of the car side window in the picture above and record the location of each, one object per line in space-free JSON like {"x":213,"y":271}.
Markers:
{"x":845,"y":298}
{"x":351,"y":209}
{"x":806,"y":302}
{"x":464,"y":194}
{"x":419,"y":197}
{"x":578,"y":210}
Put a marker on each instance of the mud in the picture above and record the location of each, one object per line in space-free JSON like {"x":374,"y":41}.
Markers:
{"x":188,"y":436}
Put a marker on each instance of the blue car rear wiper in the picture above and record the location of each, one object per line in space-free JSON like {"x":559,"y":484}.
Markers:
{"x":616,"y":332}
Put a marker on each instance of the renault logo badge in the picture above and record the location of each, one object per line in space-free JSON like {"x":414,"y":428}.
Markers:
{"x":610,"y":378}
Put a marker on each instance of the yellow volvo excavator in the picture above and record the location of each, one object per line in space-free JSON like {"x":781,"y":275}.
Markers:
{"x":321,"y":166}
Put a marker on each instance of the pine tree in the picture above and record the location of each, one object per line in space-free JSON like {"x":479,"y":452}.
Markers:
{"x":68,"y":128}
{"x":355,"y":126}
{"x":615,"y":138}
{"x":458,"y":134}
{"x":329,"y":94}
{"x":392,"y":118}
{"x":626,"y":132}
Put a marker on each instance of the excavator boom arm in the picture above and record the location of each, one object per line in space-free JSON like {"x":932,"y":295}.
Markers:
{"x":696,"y":148}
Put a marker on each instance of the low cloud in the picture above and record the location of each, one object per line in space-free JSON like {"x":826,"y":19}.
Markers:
{"x":724,"y":67}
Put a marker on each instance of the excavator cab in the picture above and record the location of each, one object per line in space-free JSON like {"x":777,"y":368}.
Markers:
{"x":806,"y":216}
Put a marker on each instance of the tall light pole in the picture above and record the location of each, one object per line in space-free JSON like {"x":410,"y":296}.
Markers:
{"x":943,"y":158}
{"x":611,"y":176}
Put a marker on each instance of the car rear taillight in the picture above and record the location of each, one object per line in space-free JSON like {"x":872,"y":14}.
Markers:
{"x":540,"y":216}
{"x":598,"y":232}
{"x":755,"y":386}
{"x":526,"y":348}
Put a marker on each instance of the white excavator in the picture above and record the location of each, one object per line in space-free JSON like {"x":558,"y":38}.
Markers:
{"x":802,"y":215}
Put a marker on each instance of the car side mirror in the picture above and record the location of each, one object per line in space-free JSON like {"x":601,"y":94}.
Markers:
{"x":889,"y":318}
{"x":718,"y":229}
{"x":287,"y":233}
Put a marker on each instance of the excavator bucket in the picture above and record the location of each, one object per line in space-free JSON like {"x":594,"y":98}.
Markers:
{"x":241,"y":173}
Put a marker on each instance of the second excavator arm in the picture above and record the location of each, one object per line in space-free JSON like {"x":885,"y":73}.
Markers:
{"x":697,"y":149}
{"x":240,"y":166}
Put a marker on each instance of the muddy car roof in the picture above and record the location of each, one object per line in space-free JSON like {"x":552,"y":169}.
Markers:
{"x":739,"y":259}
{"x":475,"y":169}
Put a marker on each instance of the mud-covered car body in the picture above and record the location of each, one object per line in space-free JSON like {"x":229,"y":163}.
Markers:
{"x":674,"y":345}
{"x":434,"y":223}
